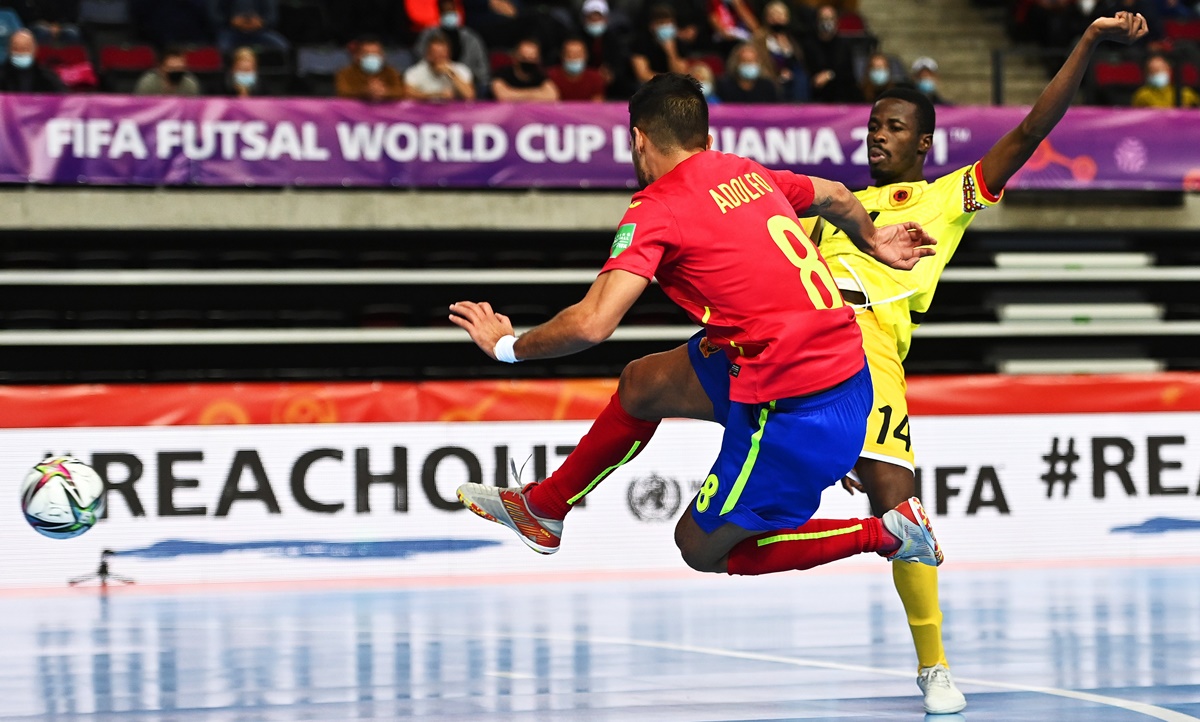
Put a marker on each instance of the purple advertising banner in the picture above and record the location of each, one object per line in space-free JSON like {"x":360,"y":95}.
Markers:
{"x":119,"y":140}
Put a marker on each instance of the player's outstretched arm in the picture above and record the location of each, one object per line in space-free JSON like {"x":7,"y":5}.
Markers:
{"x":899,"y":246}
{"x":574,"y":329}
{"x":1010,"y":152}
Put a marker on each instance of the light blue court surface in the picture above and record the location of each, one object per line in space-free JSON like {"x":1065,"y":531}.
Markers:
{"x":1061,"y":645}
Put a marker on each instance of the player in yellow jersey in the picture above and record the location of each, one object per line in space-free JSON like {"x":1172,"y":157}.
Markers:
{"x":692,"y":381}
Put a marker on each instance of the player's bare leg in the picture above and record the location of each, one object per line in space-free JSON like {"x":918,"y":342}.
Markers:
{"x":886,"y":485}
{"x":651,"y":388}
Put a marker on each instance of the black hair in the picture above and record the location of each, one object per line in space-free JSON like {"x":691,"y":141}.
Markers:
{"x":172,"y":51}
{"x":671,"y":111}
{"x":661,"y":11}
{"x":926,"y":115}
{"x":437,"y":36}
{"x":368,"y":38}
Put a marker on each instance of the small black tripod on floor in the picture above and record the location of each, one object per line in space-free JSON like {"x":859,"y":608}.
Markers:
{"x":102,"y":574}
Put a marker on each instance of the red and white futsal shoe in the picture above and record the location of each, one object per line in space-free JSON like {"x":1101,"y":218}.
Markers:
{"x":509,"y":507}
{"x":909,"y":523}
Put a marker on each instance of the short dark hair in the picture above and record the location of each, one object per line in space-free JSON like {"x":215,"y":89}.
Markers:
{"x":670,"y":109}
{"x":661,"y":11}
{"x":926,"y":114}
{"x":368,"y":39}
{"x":437,"y":36}
{"x":172,"y":51}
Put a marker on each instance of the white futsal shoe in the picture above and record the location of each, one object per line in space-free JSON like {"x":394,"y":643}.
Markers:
{"x":941,"y":696}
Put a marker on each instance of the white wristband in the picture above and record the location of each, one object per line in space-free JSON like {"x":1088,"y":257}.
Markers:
{"x":504,"y":349}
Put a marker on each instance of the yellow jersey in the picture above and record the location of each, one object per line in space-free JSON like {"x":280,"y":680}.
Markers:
{"x":944,"y":208}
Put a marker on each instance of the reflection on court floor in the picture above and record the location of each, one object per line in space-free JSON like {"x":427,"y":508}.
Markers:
{"x":1051,"y":645}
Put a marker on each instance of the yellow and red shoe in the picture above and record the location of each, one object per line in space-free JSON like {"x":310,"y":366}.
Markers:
{"x":909,"y":523}
{"x":510,"y":508}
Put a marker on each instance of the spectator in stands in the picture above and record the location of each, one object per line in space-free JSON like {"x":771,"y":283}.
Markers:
{"x":466,"y":46}
{"x":1159,"y":90}
{"x":573,"y":78}
{"x":243,"y":74}
{"x":369,"y":77}
{"x":745,"y":79}
{"x":165,"y":23}
{"x":702,"y":72}
{"x":925,"y":77}
{"x":732,"y":21}
{"x":437,"y":77}
{"x":776,"y":42}
{"x":524,"y":80}
{"x":830,"y":61}
{"x":878,"y":77}
{"x":169,"y":78}
{"x":246,"y":22}
{"x":21,"y":73}
{"x":658,"y":48}
{"x":55,"y":22}
{"x":607,"y":50}
{"x":690,"y":18}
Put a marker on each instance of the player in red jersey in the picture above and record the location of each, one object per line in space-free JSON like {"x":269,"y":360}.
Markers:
{"x":721,"y":235}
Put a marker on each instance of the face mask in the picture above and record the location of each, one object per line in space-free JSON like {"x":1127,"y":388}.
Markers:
{"x":371,"y":64}
{"x":245,"y":78}
{"x":175,"y":77}
{"x":748,"y":71}
{"x":664,"y":33}
{"x":1087,"y":6}
{"x":926,"y":85}
{"x":450,"y":21}
{"x":778,"y":27}
{"x":1159,"y":80}
{"x":574,"y":67}
{"x":828,"y":27}
{"x":879,"y":76}
{"x":22,"y":61}
{"x":528,"y":68}
{"x":596,"y":29}
{"x":707,"y":89}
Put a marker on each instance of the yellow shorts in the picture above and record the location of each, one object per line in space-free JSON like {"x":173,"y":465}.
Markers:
{"x":887,"y":427}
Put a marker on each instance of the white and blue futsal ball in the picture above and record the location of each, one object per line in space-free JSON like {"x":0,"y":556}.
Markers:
{"x":62,"y":497}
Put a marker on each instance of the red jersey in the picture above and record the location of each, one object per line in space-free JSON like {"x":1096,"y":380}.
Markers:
{"x":721,"y":234}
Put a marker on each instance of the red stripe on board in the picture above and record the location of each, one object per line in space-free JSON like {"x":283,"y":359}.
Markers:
{"x":540,"y":400}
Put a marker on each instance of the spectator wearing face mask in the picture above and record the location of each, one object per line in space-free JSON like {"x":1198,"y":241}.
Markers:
{"x":369,"y":77}
{"x":1159,"y":90}
{"x":658,"y":49}
{"x":573,"y":78}
{"x":243,"y":74}
{"x":524,"y":80}
{"x":708,"y":84}
{"x":925,"y":77}
{"x":21,"y":72}
{"x":745,"y":80}
{"x":466,"y":46}
{"x":171,"y":77}
{"x":776,"y":42}
{"x":437,"y":77}
{"x":830,"y":61}
{"x":606,"y":47}
{"x":878,"y":77}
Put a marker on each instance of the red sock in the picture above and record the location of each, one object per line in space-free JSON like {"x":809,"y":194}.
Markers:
{"x":614,"y":439}
{"x":819,"y":541}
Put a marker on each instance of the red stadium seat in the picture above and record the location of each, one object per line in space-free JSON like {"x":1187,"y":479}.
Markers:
{"x":715,"y":63}
{"x":204,"y":60}
{"x":1118,"y":73}
{"x":51,"y":56}
{"x":499,"y":60}
{"x":127,"y":58}
{"x":1189,"y":73}
{"x":1182,"y":30}
{"x":851,"y":23}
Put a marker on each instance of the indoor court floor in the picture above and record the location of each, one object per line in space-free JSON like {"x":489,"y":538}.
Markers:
{"x":1048,"y":644}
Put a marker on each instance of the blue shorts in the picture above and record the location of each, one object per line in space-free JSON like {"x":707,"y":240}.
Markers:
{"x":778,"y":457}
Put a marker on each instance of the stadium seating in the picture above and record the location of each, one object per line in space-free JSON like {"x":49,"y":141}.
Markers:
{"x":122,"y":65}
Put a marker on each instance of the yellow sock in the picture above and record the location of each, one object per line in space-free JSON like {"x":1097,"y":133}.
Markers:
{"x":917,"y":585}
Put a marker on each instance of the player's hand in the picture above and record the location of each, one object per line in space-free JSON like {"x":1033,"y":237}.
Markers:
{"x":1124,"y":28}
{"x":485,"y":326}
{"x":901,"y":245}
{"x":851,"y":485}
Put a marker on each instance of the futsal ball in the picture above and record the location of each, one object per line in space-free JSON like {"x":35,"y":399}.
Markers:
{"x":62,"y":497}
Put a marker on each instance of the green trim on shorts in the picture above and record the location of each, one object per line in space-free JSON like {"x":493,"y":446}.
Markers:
{"x":748,"y":466}
{"x":807,"y":536}
{"x":606,"y":472}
